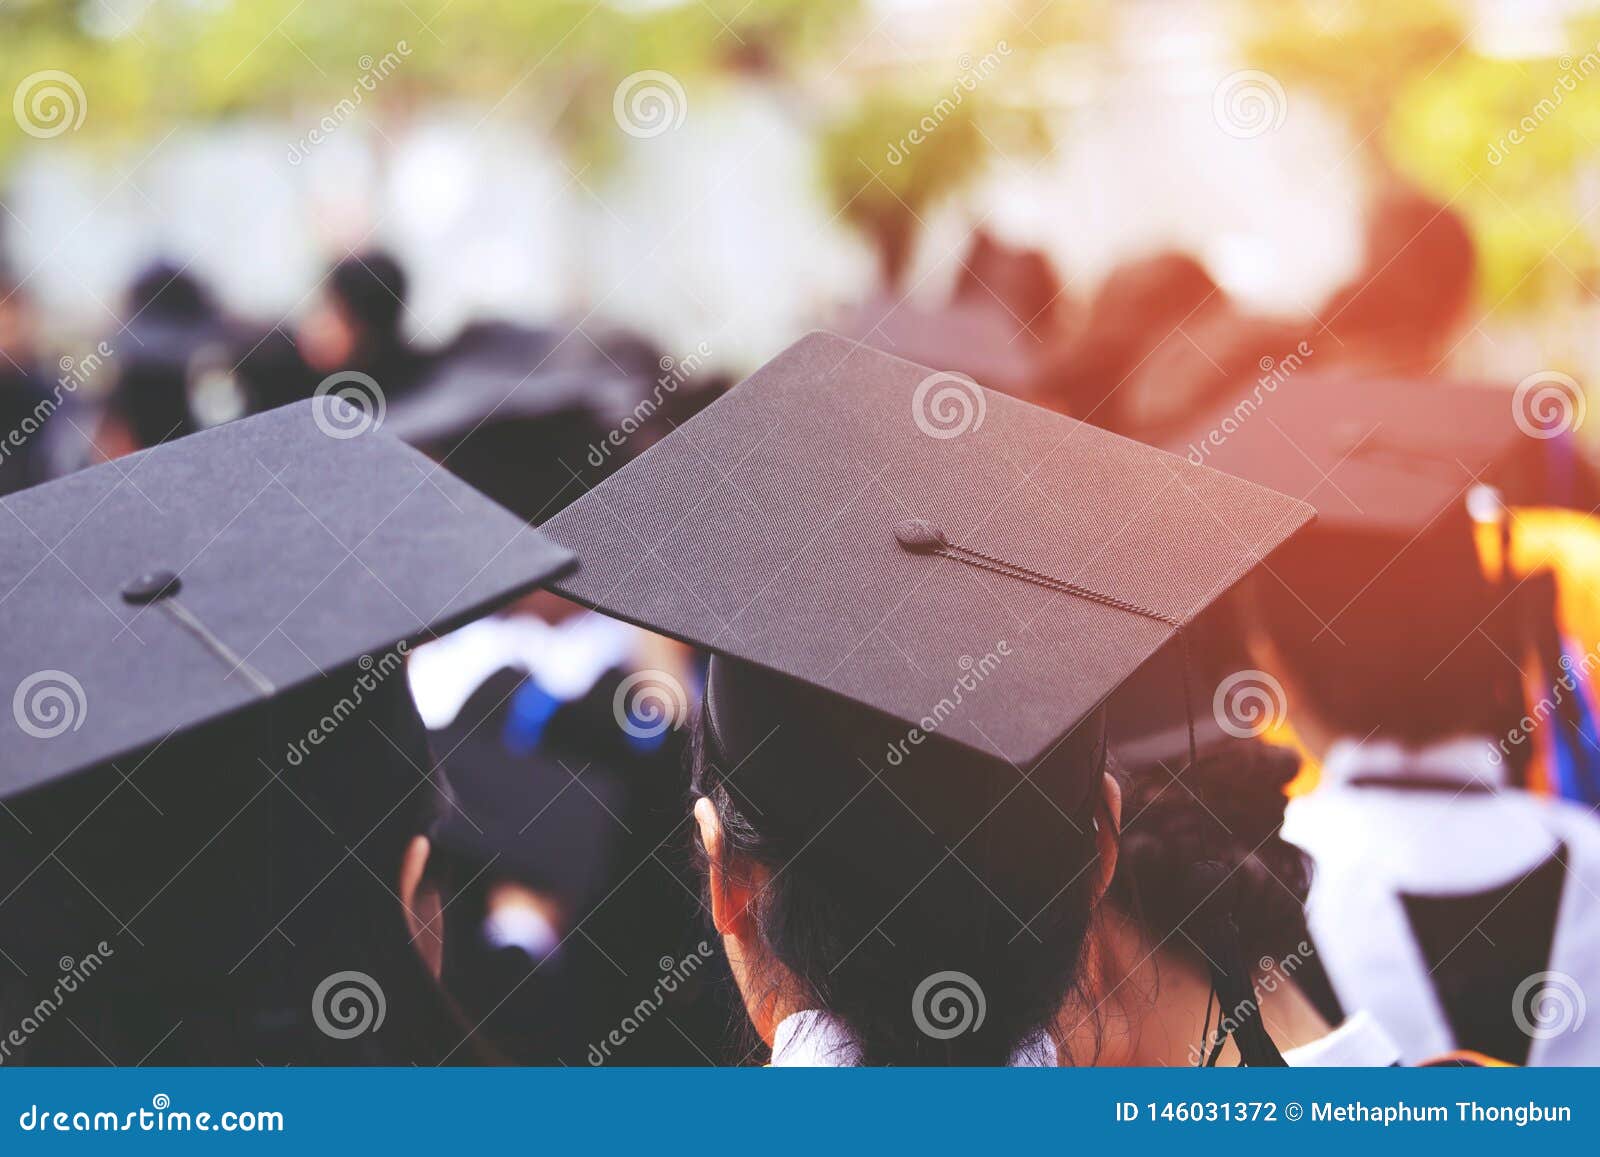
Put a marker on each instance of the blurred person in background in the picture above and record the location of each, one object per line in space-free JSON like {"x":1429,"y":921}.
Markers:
{"x":171,"y":359}
{"x":1020,"y":282}
{"x":1447,"y":898}
{"x":1406,"y":309}
{"x":356,"y":324}
{"x":1005,"y":308}
{"x":1163,"y":342}
{"x":1141,"y":304}
{"x":1423,"y":684}
{"x":1446,"y":895}
{"x":573,"y":888}
{"x":567,"y":805}
{"x":22,"y":389}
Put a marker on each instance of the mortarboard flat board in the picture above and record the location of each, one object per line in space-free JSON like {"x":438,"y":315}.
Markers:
{"x":444,"y":410}
{"x":1374,"y":456}
{"x":971,"y":338}
{"x":166,"y":591}
{"x":1383,"y":612}
{"x":498,"y":373}
{"x":1393,"y":467}
{"x":524,"y":417}
{"x":899,"y":539}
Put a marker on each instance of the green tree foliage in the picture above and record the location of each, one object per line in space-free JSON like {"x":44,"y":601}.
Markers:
{"x":1358,"y":55}
{"x":1507,"y":143}
{"x":1512,"y":146}
{"x":552,"y":62}
{"x":891,"y":158}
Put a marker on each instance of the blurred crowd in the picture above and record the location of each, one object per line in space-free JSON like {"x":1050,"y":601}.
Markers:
{"x":555,"y":930}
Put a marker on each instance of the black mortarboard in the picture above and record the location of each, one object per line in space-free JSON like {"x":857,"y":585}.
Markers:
{"x":502,"y":376}
{"x":911,"y":557}
{"x":1374,"y":456}
{"x":978,"y":339}
{"x":1389,"y":580}
{"x":528,"y":416}
{"x":211,"y":761}
{"x":180,"y":584}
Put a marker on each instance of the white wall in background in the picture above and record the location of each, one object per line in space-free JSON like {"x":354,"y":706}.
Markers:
{"x":715,"y":231}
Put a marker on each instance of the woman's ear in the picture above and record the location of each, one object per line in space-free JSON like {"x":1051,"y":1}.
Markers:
{"x":422,"y":906}
{"x":1107,"y":833}
{"x":730,"y":896}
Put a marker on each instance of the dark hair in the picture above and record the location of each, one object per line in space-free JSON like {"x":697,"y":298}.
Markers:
{"x":1416,"y":278}
{"x":1225,"y":810}
{"x":1378,"y":640}
{"x":171,"y":320}
{"x":864,"y":949}
{"x":371,"y":289}
{"x":163,"y":291}
{"x":1134,"y":310}
{"x":1020,"y":281}
{"x":235,"y":903}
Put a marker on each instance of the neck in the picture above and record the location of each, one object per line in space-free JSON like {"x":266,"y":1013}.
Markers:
{"x":1150,"y":1005}
{"x":776,"y":1010}
{"x":770,"y":993}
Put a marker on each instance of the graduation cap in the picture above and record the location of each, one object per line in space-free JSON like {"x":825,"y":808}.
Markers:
{"x":164,"y":367}
{"x":460,"y":397}
{"x":927,"y":587}
{"x":975,"y":338}
{"x":519,"y":413}
{"x":1390,"y":575}
{"x":191,"y":628}
{"x":1398,"y":470}
{"x":1376,"y":456}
